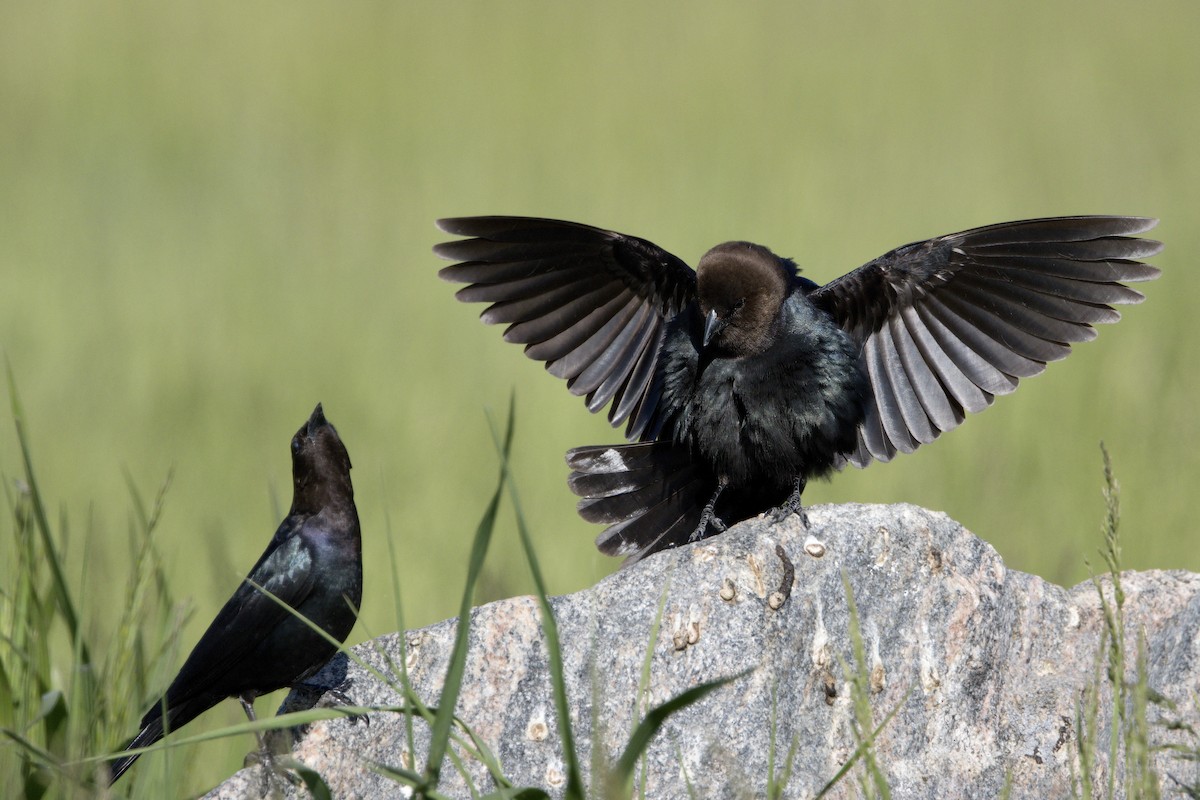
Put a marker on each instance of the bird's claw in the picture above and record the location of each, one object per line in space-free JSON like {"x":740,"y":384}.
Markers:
{"x":782,"y":512}
{"x":340,"y":698}
{"x":709,"y":516}
{"x":791,"y":505}
{"x":270,"y":770}
{"x":708,"y":519}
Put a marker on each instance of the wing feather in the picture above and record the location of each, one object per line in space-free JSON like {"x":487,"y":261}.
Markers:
{"x":589,"y":303}
{"x":949,"y":323}
{"x":285,"y":570}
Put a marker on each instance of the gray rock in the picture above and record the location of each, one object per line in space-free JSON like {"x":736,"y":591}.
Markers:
{"x":987,"y":668}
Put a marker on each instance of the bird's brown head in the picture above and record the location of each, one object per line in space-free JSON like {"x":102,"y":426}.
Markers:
{"x":741,"y":287}
{"x":320,"y":465}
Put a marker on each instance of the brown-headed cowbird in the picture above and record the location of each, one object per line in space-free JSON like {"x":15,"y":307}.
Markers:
{"x":313,"y":563}
{"x":742,"y":379}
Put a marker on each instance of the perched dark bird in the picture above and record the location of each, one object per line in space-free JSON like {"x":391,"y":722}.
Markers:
{"x":313,"y":563}
{"x":743,"y":379}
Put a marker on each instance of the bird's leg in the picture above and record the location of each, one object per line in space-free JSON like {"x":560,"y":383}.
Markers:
{"x":709,"y":515}
{"x":264,"y":752}
{"x":792,"y":505}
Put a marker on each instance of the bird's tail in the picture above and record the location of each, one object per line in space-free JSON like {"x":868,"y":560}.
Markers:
{"x":651,"y":495}
{"x":178,"y":714}
{"x":149,"y":734}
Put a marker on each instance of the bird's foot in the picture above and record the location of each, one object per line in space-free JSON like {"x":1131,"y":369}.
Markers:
{"x":791,"y":505}
{"x":263,"y":758}
{"x":336,"y":697}
{"x":780,"y":513}
{"x":710,"y":525}
{"x":709,"y":517}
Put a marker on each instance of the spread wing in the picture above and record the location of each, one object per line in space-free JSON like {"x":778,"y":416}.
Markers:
{"x":590,"y":303}
{"x":949,"y":323}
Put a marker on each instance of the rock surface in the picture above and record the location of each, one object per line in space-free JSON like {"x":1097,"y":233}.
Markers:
{"x":986,"y":666}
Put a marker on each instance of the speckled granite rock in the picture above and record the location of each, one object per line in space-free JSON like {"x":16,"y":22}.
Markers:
{"x":987,"y":665}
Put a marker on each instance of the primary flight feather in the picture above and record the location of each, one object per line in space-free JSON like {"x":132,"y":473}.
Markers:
{"x":741,"y":379}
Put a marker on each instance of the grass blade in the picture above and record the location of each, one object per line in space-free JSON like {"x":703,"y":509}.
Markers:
{"x":867,"y":742}
{"x":400,"y":626}
{"x":312,"y":779}
{"x":574,"y":783}
{"x":61,"y":593}
{"x":440,"y":733}
{"x":400,"y":774}
{"x":409,"y":778}
{"x":513,"y":793}
{"x":622,"y":773}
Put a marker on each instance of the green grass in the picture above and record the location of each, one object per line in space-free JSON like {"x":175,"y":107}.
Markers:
{"x":54,"y":738}
{"x":211,"y":217}
{"x":872,"y":783}
{"x":61,"y":710}
{"x":59,"y":702}
{"x":1130,"y":740}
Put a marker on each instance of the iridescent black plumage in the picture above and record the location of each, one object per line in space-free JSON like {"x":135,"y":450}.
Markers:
{"x":743,"y":379}
{"x":313,"y":563}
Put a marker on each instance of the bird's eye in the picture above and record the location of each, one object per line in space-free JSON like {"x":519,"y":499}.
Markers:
{"x":297,"y":445}
{"x":738,"y":306}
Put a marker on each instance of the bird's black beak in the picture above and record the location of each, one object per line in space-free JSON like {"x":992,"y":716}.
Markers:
{"x":713,"y":325}
{"x":317,"y":420}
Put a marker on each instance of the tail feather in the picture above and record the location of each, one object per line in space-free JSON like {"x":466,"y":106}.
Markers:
{"x":607,"y":484}
{"x":147,"y":736}
{"x":668,"y":524}
{"x":621,"y":458}
{"x":651,"y":490}
{"x":652,"y":495}
{"x":178,"y":715}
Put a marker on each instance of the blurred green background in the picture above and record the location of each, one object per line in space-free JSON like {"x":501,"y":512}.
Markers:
{"x":214,"y":215}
